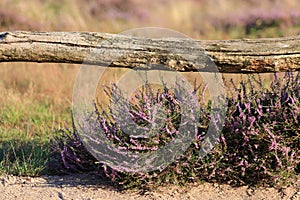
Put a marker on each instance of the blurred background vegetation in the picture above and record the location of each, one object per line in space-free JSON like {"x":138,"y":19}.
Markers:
{"x":204,"y":19}
{"x":35,"y":99}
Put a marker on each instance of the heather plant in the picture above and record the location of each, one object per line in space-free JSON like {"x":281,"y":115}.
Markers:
{"x":68,"y":154}
{"x":261,"y":135}
{"x":259,"y":143}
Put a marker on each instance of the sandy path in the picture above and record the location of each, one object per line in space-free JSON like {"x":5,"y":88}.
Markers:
{"x":90,"y":187}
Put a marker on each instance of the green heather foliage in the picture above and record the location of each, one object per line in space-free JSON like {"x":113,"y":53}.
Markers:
{"x":259,"y":144}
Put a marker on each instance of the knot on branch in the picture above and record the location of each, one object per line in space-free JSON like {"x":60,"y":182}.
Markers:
{"x":3,"y":35}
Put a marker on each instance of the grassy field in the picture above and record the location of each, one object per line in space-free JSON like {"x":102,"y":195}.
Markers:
{"x":32,"y":106}
{"x":35,"y":99}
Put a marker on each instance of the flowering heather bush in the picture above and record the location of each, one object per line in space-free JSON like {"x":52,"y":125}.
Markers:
{"x":260,"y":142}
{"x":261,"y":138}
{"x":147,"y":107}
{"x":69,"y":154}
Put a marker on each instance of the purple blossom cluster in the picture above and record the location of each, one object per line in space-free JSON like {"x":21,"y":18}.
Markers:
{"x":69,"y":154}
{"x":149,"y":110}
{"x":259,"y":144}
{"x":261,"y":137}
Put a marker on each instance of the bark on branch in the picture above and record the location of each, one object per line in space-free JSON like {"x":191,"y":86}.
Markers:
{"x":230,"y":56}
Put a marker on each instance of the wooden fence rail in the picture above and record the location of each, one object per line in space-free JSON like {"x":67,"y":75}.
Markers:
{"x":230,"y":56}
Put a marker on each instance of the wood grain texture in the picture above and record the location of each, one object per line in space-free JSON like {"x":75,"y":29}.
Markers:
{"x":230,"y":56}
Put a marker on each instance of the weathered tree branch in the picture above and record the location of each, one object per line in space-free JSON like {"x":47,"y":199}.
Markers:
{"x":236,"y":56}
